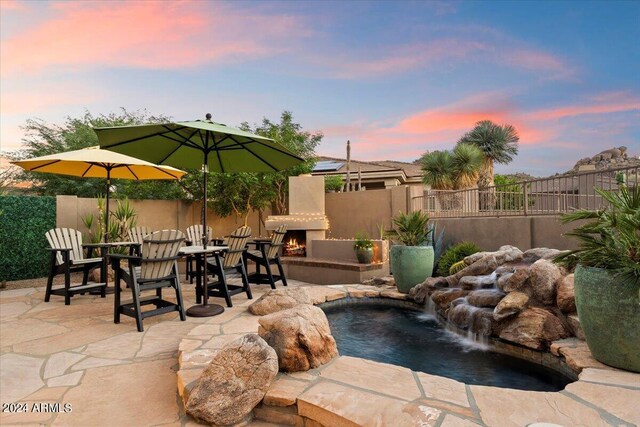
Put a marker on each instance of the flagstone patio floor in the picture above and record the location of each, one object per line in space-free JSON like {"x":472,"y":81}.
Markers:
{"x":111,"y":375}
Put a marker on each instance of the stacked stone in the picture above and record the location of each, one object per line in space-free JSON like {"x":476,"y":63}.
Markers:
{"x":522,"y":297}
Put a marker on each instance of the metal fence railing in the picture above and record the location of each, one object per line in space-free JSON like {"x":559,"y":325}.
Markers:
{"x":545,"y":196}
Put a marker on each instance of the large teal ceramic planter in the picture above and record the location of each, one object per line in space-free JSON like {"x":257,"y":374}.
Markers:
{"x":609,"y":313}
{"x":411,"y":265}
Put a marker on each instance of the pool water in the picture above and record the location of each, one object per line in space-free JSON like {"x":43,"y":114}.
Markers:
{"x":417,"y":341}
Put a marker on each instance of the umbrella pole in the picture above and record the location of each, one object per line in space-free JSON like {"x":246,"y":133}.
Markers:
{"x":106,"y":212}
{"x":205,"y":170}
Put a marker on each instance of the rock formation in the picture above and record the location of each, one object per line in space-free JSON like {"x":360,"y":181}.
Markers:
{"x":279,"y":299}
{"x":235,"y":381}
{"x":607,"y":159}
{"x":300,"y":336}
{"x":517,"y":296}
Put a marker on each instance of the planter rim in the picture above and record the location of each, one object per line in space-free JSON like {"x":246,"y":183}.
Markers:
{"x":418,"y":247}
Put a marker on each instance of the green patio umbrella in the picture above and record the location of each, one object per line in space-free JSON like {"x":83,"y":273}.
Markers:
{"x":201,"y":143}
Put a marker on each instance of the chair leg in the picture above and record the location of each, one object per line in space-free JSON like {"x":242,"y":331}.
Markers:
{"x":52,"y":273}
{"x":245,"y":281}
{"x":67,"y":284}
{"x":224,"y":288}
{"x":135,"y":290}
{"x":267,"y":267}
{"x":281,"y":271}
{"x":116,"y":298}
{"x":179,"y":301}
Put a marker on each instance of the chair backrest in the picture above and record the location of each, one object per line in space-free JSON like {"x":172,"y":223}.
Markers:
{"x":159,"y":253}
{"x":236,"y":242}
{"x":60,"y":238}
{"x":277,"y":236}
{"x":194,"y":233}
{"x":136,"y":234}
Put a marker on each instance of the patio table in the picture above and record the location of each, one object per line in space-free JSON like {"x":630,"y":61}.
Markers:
{"x":200,"y":254}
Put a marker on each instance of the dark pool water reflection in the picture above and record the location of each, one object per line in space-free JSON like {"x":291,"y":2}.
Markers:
{"x":416,"y":341}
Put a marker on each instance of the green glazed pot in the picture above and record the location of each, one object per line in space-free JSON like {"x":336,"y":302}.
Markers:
{"x":609,"y":313}
{"x":411,"y":265}
{"x":364,"y":255}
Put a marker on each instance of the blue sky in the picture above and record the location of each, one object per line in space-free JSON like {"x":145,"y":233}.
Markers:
{"x":396,"y":78}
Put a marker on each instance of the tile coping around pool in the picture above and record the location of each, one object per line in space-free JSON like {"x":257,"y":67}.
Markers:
{"x":352,"y":391}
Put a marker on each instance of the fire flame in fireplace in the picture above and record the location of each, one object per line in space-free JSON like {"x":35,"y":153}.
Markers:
{"x":293,"y":248}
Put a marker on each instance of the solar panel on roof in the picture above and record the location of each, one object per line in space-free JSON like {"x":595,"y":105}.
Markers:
{"x":327,"y":165}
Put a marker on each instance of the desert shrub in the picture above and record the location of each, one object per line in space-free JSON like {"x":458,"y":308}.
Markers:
{"x":455,"y":254}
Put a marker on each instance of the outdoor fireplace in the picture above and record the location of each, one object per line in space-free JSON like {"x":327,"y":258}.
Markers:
{"x":295,"y":243}
{"x":306,"y":220}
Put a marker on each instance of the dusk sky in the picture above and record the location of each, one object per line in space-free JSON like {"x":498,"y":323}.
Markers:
{"x":396,"y":78}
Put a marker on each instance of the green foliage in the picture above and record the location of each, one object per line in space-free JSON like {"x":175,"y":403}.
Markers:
{"x":362,"y":241}
{"x":410,"y":229}
{"x":610,"y":239}
{"x":240,"y":193}
{"x":457,"y":267}
{"x":23,"y":225}
{"x":452,"y":170}
{"x":299,"y":142}
{"x":120,"y":221}
{"x":509,"y":194}
{"x":497,"y":143}
{"x":454,"y":254}
{"x":75,"y":133}
{"x":332,"y":183}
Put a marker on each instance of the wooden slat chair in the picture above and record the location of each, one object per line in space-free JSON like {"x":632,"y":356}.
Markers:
{"x":136,"y":235}
{"x":230,"y":262}
{"x":194,"y":238}
{"x":266,"y":256}
{"x":156,"y":269}
{"x":67,"y":256}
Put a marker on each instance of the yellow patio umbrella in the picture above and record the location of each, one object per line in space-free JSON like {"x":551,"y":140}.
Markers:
{"x":93,"y":162}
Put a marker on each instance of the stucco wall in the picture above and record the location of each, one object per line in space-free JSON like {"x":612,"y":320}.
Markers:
{"x":155,"y":214}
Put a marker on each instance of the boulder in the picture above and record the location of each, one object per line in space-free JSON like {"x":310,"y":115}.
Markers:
{"x":541,"y":253}
{"x":279,"y":299}
{"x":543,"y":279}
{"x":422,"y":291}
{"x":483,"y":266}
{"x":443,"y":297}
{"x":504,"y":254}
{"x":535,"y":328}
{"x":300,"y":336}
{"x":380,"y":281}
{"x":234,"y":382}
{"x":477,"y":282}
{"x":517,"y":280}
{"x":566,"y":298}
{"x":512,"y":303}
{"x":485,"y":297}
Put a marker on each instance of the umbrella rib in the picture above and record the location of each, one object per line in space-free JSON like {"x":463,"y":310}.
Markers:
{"x":186,"y":141}
{"x":45,"y":165}
{"x":215,"y":144}
{"x":279,"y":150}
{"x":140,"y":138}
{"x":256,"y":155}
{"x":165,"y":171}
{"x":87,"y":171}
{"x":132,"y":172}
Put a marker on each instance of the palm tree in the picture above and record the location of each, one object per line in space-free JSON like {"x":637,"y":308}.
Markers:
{"x":452,"y":170}
{"x":498,"y":144}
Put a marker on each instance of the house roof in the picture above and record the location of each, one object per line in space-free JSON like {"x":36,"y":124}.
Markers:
{"x":410,"y":169}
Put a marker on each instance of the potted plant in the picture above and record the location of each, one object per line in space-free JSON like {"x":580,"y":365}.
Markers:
{"x":607,"y":277}
{"x":364,"y":248}
{"x":411,"y":263}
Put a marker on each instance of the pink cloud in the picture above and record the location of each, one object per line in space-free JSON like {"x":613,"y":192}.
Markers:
{"x":7,"y":5}
{"x":604,"y":104}
{"x":538,"y":60}
{"x":150,"y":34}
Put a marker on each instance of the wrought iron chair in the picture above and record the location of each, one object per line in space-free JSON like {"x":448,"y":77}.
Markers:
{"x":194,"y":238}
{"x":229,"y":262}
{"x":67,"y":256}
{"x":155,"y":269}
{"x":266,"y":254}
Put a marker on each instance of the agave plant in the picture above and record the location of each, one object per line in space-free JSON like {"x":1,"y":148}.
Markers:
{"x":611,"y":239}
{"x":410,"y":228}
